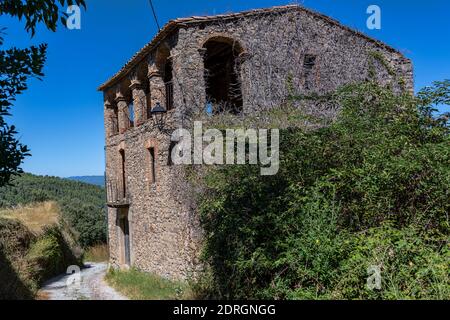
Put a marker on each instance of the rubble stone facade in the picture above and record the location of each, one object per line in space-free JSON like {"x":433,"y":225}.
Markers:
{"x":252,"y":60}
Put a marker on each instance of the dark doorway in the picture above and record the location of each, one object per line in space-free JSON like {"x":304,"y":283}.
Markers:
{"x":126,"y":239}
{"x":223,"y":87}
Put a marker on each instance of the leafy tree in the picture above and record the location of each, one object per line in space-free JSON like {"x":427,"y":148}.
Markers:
{"x":17,"y":66}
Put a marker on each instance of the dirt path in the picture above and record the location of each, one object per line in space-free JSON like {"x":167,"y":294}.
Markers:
{"x":89,"y":285}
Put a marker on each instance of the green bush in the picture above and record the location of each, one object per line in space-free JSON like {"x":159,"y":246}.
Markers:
{"x":413,"y":265}
{"x":50,"y":255}
{"x":311,"y":231}
{"x":26,"y":260}
{"x":15,"y":240}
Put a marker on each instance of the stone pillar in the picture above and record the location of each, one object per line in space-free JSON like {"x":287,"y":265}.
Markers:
{"x":190,"y":78}
{"x":110,"y":119}
{"x":139,"y":101}
{"x":122,"y":107}
{"x":157,"y":86}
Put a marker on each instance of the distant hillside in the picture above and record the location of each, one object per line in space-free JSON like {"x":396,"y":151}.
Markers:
{"x":82,"y":205}
{"x":95,"y":180}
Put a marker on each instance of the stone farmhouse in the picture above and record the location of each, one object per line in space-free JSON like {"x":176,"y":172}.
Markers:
{"x":238,"y":63}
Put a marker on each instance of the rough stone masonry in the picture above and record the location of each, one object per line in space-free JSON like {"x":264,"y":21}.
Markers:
{"x":238,"y":63}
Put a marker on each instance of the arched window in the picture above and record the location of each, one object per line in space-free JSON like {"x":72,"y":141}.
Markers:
{"x":222,"y":75}
{"x":163,"y":62}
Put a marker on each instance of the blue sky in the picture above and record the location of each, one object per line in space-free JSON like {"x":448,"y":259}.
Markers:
{"x":61,"y":118}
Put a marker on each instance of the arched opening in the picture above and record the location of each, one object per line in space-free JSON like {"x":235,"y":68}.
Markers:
{"x":222,"y":76}
{"x":131,"y":113}
{"x":168,"y":83}
{"x":163,"y":62}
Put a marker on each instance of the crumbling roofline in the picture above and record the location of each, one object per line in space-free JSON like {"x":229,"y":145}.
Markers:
{"x":174,"y":25}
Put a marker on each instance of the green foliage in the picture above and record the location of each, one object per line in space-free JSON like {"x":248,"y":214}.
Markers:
{"x":49,"y":255}
{"x":14,"y":236}
{"x":378,"y":56}
{"x":38,"y":11}
{"x":414,"y":265}
{"x":82,"y":205}
{"x":17,"y":66}
{"x":138,"y":285}
{"x":26,"y":260}
{"x":15,"y":240}
{"x":375,"y":181}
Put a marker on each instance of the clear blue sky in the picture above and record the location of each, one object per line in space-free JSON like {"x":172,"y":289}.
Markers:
{"x":61,"y":118}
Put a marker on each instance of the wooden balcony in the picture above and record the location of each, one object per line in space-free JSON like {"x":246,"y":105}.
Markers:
{"x":117,"y":194}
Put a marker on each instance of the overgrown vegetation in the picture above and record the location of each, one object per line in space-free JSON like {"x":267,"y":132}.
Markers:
{"x":43,"y":222}
{"x":97,"y":253}
{"x":27,"y":259}
{"x":139,"y":285}
{"x":371,"y":189}
{"x":82,"y":205}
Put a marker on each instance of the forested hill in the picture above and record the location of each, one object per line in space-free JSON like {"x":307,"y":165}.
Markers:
{"x":82,"y":205}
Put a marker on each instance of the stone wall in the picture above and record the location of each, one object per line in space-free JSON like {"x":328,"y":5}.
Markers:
{"x":274,"y":47}
{"x":165,"y":234}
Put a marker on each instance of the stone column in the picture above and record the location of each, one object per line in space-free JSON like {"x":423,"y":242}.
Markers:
{"x":157,"y":86}
{"x":122,"y":106}
{"x":190,"y":77}
{"x":110,"y":119}
{"x":140,"y":102}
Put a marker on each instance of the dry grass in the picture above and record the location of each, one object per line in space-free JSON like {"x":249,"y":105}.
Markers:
{"x":40,"y":295}
{"x":98,"y":253}
{"x":35,"y":217}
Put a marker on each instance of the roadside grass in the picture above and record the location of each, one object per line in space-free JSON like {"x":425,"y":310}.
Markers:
{"x":138,"y":285}
{"x":98,"y":253}
{"x":35,"y":217}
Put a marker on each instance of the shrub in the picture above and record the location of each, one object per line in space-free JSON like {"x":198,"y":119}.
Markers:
{"x":312,"y":230}
{"x":26,"y":260}
{"x":413,"y":265}
{"x":15,"y":239}
{"x":50,"y":255}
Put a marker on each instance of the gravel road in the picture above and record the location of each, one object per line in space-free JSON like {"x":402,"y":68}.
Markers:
{"x":87,"y":285}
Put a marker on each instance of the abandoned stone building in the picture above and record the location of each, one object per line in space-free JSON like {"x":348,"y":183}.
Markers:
{"x":239,"y":63}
